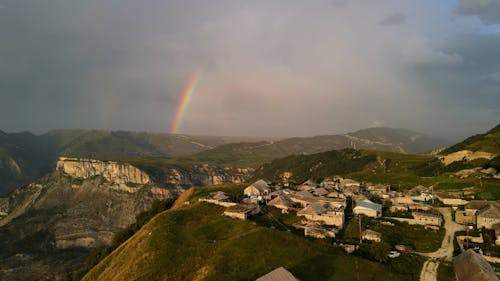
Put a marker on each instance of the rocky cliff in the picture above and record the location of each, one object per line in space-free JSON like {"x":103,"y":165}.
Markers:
{"x":200,"y":175}
{"x":48,"y":227}
{"x":117,"y":173}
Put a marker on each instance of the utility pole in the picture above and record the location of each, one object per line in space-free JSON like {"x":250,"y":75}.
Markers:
{"x":360,"y":235}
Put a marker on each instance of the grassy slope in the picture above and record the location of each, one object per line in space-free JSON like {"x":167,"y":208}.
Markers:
{"x":197,"y":243}
{"x":489,"y":142}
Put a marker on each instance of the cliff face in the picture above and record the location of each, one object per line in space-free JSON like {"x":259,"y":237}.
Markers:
{"x":119,"y":173}
{"x":48,"y":227}
{"x":200,"y":175}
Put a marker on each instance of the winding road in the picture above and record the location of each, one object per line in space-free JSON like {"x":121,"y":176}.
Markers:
{"x":429,"y":270}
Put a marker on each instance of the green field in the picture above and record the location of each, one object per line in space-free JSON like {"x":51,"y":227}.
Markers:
{"x":198,"y":243}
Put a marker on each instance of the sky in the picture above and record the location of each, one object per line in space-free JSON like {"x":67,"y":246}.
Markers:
{"x":266,"y":68}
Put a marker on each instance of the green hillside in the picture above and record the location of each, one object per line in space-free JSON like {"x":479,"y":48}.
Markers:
{"x":397,"y":169}
{"x":198,"y":243}
{"x":488,"y":142}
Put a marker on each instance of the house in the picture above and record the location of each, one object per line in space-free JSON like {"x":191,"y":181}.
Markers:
{"x":323,"y":212}
{"x":336,"y":194}
{"x":428,"y":218}
{"x":303,"y":198}
{"x":488,"y":216}
{"x":368,"y":208}
{"x":348,"y":183}
{"x":318,"y":232}
{"x":371,"y":235}
{"x":464,"y":217}
{"x":475,"y":205}
{"x":281,"y":202}
{"x":258,"y":188}
{"x":450,"y":199}
{"x":279,"y":274}
{"x":379,"y":190}
{"x":242,"y":211}
{"x":402,"y":200}
{"x":399,"y":208}
{"x":320,"y":191}
{"x":329,"y":183}
{"x":471,"y":266}
{"x":308,"y":185}
{"x":218,"y":198}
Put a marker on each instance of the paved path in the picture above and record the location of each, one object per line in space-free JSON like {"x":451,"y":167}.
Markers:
{"x":429,"y":270}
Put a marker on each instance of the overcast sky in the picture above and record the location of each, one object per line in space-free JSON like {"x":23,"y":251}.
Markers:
{"x":270,"y":68}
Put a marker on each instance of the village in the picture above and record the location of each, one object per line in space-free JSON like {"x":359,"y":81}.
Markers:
{"x":323,"y":210}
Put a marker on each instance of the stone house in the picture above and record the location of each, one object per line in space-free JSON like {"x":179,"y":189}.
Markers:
{"x":308,"y":185}
{"x":428,"y":218}
{"x":242,"y":211}
{"x":281,"y":202}
{"x":380,"y":190}
{"x":464,"y":217}
{"x":318,"y":232}
{"x":258,"y":188}
{"x":371,"y":235}
{"x":323,"y":212}
{"x":368,"y":208}
{"x":488,"y":216}
{"x":218,"y":198}
{"x":450,"y":199}
{"x":399,"y":208}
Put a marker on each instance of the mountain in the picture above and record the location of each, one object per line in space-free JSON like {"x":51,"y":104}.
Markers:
{"x":25,"y":157}
{"x":255,"y":154}
{"x":48,"y":227}
{"x":487,"y":142}
{"x":197,"y":243}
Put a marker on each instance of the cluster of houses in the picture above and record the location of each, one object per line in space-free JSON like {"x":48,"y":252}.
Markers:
{"x":322,"y":206}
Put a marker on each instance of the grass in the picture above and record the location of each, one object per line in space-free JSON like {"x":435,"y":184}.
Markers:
{"x":416,"y":236}
{"x":233,"y":190}
{"x":445,"y":272}
{"x":197,"y":243}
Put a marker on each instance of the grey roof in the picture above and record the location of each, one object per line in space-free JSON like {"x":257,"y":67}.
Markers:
{"x":312,"y":209}
{"x":476,"y":204}
{"x":261,"y":185}
{"x":279,"y":274}
{"x":491,"y":211}
{"x":471,"y":266}
{"x":280,"y":200}
{"x":369,"y":205}
{"x":219,"y":195}
{"x":310,"y":183}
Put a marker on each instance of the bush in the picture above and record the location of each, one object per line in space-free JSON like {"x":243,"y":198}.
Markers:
{"x":375,"y":251}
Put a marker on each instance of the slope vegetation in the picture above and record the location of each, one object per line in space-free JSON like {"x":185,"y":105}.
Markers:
{"x":487,"y":142}
{"x":197,"y":243}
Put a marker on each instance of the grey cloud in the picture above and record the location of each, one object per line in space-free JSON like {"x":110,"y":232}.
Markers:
{"x":394,"y":19}
{"x":488,"y":11}
{"x":270,"y":67}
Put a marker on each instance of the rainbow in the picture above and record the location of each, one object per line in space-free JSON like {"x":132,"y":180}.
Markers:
{"x":185,"y":99}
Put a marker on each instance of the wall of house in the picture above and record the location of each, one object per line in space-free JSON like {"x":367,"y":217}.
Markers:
{"x":486,"y":222}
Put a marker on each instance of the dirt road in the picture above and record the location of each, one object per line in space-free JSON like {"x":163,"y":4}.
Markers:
{"x":429,"y":270}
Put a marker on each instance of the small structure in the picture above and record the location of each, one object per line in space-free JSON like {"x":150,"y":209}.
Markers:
{"x":402,"y":200}
{"x":308,"y":185}
{"x":349,"y":183}
{"x":371,"y":235}
{"x":464,"y":217}
{"x":380,"y":190}
{"x":218,"y":198}
{"x":279,"y":274}
{"x":488,"y":216}
{"x":281,"y":202}
{"x":430,"y":218}
{"x":320,"y":191}
{"x":450,"y":199}
{"x":399,"y":208}
{"x":368,"y":208}
{"x":242,"y":211}
{"x":258,"y":188}
{"x":471,"y":266}
{"x":318,"y":232}
{"x":323,"y":212}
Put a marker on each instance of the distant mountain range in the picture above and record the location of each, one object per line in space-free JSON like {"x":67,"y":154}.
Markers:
{"x":25,"y":156}
{"x":255,"y":154}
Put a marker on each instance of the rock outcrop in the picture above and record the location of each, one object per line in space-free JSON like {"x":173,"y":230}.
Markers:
{"x":465,"y":155}
{"x":121,"y":174}
{"x":199,"y":175}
